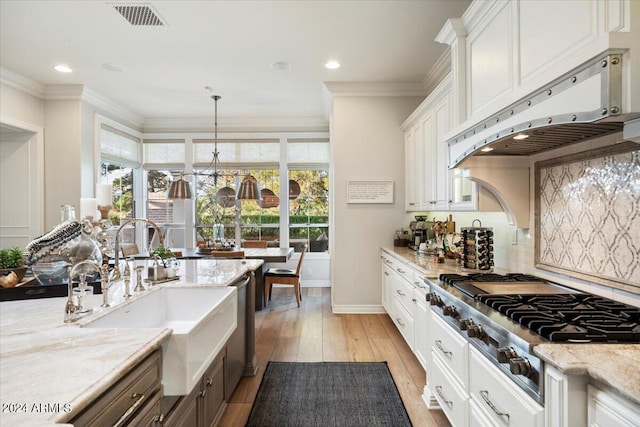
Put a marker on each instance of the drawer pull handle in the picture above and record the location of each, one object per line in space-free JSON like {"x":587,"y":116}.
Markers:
{"x":400,"y":292}
{"x":386,"y":273}
{"x":131,"y":410}
{"x":443,"y":397}
{"x":401,"y":271}
{"x":209,"y":382}
{"x":399,"y":322}
{"x":485,"y":397}
{"x":443,"y":349}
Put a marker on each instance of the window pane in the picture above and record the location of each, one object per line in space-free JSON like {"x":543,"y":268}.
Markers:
{"x":215,"y":205}
{"x":261,"y":219}
{"x":121,"y":178}
{"x":309,"y":209}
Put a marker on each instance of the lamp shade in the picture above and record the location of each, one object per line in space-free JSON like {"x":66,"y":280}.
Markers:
{"x":226,"y":197}
{"x":249,"y":189}
{"x":294,"y":189}
{"x":180,"y":189}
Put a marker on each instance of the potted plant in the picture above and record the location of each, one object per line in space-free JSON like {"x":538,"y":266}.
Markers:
{"x":12,"y":268}
{"x":165,"y":254}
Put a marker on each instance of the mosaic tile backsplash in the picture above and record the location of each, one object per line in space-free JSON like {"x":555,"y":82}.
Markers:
{"x":588,"y":215}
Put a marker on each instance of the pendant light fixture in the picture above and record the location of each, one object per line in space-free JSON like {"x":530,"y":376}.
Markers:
{"x":181,"y":189}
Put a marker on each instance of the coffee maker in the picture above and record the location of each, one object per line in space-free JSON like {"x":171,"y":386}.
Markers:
{"x":420,"y":230}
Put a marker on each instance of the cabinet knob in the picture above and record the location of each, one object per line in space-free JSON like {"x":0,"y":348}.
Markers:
{"x":209,"y":382}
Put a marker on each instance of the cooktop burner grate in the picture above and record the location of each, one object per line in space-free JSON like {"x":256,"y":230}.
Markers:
{"x":570,"y":317}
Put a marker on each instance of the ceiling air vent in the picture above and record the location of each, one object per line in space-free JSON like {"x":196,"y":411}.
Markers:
{"x":140,"y":14}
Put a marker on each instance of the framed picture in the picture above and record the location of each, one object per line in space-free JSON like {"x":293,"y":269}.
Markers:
{"x":587,"y":215}
{"x":369,"y":191}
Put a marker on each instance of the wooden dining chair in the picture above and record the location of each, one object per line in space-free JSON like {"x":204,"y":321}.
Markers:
{"x":130,"y":250}
{"x":227,"y":254}
{"x":255,"y":244}
{"x":284,"y":276}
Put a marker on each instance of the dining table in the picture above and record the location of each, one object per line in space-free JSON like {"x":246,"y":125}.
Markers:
{"x":268,"y":255}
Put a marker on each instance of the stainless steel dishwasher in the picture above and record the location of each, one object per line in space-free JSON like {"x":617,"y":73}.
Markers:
{"x":236,"y":346}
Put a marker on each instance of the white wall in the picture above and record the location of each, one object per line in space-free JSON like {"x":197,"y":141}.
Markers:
{"x":366,"y":144}
{"x":62,"y":157}
{"x":21,"y":164}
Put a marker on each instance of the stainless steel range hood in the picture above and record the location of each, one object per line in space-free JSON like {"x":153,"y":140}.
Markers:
{"x":585,"y":103}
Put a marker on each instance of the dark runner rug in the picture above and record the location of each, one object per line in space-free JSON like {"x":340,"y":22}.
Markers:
{"x":328,"y":394}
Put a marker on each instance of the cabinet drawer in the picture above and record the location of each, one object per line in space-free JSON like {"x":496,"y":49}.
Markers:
{"x":452,"y":398}
{"x":127,"y":397}
{"x":403,"y":291}
{"x":502,"y":401}
{"x":451,"y":348}
{"x":404,"y":322}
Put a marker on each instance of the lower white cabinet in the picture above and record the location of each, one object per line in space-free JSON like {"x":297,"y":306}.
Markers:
{"x":606,"y":409}
{"x":421,"y":331}
{"x":451,"y":396}
{"x":501,"y":401}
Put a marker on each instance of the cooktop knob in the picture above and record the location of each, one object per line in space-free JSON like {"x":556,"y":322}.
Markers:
{"x":475,"y":331}
{"x":450,"y":310}
{"x":465,"y":323}
{"x":435,"y":300}
{"x":520,"y":366}
{"x":505,"y":354}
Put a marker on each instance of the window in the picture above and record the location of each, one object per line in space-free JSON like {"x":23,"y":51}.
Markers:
{"x":309,"y":209}
{"x":121,"y":179}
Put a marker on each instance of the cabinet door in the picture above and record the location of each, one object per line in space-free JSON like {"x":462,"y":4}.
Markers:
{"x":413,"y":169}
{"x":442,"y":176}
{"x":213,"y":391}
{"x":428,"y":162}
{"x":387,"y":286}
{"x":185,"y":413}
{"x":421,"y":323}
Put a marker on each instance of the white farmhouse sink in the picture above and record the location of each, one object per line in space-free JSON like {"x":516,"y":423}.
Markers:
{"x":202,"y":320}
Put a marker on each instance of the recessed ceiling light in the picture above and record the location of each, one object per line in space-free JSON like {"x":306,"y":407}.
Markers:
{"x":486,"y":149}
{"x":113,"y":67}
{"x":521,"y":136}
{"x":280,"y":66}
{"x":62,"y":68}
{"x":332,"y":65}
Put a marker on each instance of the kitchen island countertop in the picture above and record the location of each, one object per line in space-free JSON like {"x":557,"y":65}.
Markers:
{"x":50,"y":371}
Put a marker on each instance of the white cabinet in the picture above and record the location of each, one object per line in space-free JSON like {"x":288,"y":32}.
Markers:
{"x":422,"y":315}
{"x":429,"y":184}
{"x":404,"y":299}
{"x":387,"y":284}
{"x":608,"y":409}
{"x":414,"y":168}
{"x":498,"y":397}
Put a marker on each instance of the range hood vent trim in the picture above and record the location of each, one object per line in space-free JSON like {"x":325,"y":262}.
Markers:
{"x":553,"y":130}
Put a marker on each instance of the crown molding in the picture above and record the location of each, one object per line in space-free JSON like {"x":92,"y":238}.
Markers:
{"x":438,"y":72}
{"x":350,"y":89}
{"x":110,"y":108}
{"x":63,"y":92}
{"x":234,"y":124}
{"x":476,"y":12}
{"x":20,"y":82}
{"x":451,"y":31}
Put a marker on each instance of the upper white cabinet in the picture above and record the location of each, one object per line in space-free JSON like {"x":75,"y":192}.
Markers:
{"x":502,"y":51}
{"x":429,"y":184}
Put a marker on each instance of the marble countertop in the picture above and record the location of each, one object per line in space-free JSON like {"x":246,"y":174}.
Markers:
{"x":49,"y":370}
{"x":424,"y":263}
{"x":613,"y":365}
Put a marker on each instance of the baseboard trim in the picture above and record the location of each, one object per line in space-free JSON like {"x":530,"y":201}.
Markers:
{"x":357,"y":309}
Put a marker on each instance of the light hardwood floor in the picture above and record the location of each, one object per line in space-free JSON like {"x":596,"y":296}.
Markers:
{"x":312,"y":333}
